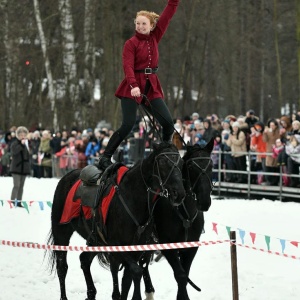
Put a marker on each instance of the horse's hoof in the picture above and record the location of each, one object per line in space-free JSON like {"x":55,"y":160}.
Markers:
{"x":149,"y":296}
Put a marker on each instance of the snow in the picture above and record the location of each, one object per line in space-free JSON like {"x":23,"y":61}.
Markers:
{"x":262,"y":275}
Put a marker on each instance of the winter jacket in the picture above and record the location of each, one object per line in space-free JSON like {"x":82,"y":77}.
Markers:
{"x":140,"y":52}
{"x":270,"y":138}
{"x":237,"y":143}
{"x":20,"y":163}
{"x":46,"y":152}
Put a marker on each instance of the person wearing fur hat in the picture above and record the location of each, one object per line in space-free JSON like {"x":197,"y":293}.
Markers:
{"x":20,"y":164}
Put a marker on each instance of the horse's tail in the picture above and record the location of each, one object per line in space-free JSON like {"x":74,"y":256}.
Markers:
{"x":103,"y":259}
{"x":50,"y":254}
{"x":57,"y":234}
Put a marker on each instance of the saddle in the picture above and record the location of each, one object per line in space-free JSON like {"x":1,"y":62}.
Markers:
{"x":94,"y":188}
{"x":94,"y":183}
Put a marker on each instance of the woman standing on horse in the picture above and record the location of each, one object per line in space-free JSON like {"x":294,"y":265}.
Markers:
{"x":140,"y":64}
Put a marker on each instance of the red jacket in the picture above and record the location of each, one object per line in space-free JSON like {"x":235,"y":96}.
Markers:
{"x":140,"y":52}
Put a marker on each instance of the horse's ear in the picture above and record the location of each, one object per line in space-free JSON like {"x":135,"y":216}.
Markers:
{"x":209,"y":146}
{"x":189,"y":146}
{"x":155,"y":145}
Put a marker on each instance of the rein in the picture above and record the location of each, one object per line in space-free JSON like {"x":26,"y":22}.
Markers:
{"x":188,"y":221}
{"x":163,"y":193}
{"x":203,"y":171}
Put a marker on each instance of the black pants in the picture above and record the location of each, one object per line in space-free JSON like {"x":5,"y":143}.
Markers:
{"x":158,"y":109}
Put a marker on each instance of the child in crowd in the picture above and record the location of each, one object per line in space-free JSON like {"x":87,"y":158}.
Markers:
{"x":278,"y":151}
{"x":215,"y":157}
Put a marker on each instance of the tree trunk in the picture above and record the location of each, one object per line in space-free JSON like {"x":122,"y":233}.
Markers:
{"x":278,"y":61}
{"x":51,"y":90}
{"x":68,"y":48}
{"x":298,"y":47}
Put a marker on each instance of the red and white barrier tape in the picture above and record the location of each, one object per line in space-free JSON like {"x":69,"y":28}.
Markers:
{"x":150,"y":247}
{"x":267,"y":251}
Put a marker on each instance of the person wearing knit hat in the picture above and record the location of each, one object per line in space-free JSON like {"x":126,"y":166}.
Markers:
{"x":237,"y":143}
{"x":236,"y":124}
{"x":296,"y":127}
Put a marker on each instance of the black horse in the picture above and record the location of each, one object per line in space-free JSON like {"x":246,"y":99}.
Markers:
{"x":130,"y":212}
{"x":182,"y":223}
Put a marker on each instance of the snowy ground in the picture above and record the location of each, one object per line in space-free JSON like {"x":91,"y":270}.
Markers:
{"x":262,"y":275}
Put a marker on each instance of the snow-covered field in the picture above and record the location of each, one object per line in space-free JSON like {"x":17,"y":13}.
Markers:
{"x":262,"y":275}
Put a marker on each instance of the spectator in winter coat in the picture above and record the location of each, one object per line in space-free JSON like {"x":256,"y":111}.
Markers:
{"x":20,"y":163}
{"x":270,"y":135}
{"x":293,"y":162}
{"x":258,"y":145}
{"x":227,"y":159}
{"x":45,"y":155}
{"x":81,"y":146}
{"x":210,"y":132}
{"x":237,"y":143}
{"x":56,"y":146}
{"x":285,"y":127}
{"x":34,"y":146}
{"x":251,"y":119}
{"x":92,"y":150}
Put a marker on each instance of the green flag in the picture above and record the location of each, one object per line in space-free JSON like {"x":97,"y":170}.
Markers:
{"x":268,"y":239}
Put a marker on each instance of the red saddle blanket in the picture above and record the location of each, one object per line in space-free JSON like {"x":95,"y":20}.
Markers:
{"x":72,"y":207}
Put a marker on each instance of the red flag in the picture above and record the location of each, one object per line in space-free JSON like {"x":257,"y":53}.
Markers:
{"x":295,"y":243}
{"x":215,"y":229}
{"x":253,"y":236}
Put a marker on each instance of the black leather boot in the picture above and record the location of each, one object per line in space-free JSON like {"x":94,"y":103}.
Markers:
{"x":104,"y":162}
{"x":113,"y":144}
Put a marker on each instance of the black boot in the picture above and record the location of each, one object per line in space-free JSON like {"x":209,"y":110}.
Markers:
{"x":103,"y":163}
{"x":113,"y":144}
{"x":19,"y":204}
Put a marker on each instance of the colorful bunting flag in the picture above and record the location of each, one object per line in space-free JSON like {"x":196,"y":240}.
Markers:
{"x":215,"y":229}
{"x":253,"y":237}
{"x":268,"y":239}
{"x":242,"y":235}
{"x":282,"y":242}
{"x":228,"y":228}
{"x":295,"y":243}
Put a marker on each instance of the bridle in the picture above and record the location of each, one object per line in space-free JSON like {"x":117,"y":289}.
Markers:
{"x":157,"y":174}
{"x":203,"y":172}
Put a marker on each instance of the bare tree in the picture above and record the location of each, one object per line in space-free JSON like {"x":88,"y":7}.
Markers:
{"x":51,"y":90}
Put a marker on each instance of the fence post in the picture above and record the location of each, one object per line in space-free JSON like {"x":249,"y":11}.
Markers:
{"x":234,"y":272}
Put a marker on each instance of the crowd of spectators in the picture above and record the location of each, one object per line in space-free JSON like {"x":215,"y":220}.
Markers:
{"x":272,"y":146}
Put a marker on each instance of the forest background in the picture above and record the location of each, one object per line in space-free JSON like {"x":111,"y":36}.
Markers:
{"x":60,"y":60}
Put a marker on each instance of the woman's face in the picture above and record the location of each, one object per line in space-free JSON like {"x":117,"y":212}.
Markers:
{"x":22,"y":135}
{"x":142,"y":25}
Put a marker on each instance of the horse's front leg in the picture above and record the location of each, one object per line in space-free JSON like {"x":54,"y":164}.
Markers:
{"x":126,"y":282}
{"x":132,"y":272}
{"x":144,"y":263}
{"x":114,"y":269}
{"x":62,"y":270}
{"x":86,"y":259}
{"x":179,"y":273}
{"x":186,"y":258}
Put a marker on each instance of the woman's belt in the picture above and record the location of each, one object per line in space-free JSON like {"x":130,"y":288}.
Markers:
{"x":147,"y":70}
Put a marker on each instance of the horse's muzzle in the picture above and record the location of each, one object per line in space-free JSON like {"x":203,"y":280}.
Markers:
{"x":177,"y":197}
